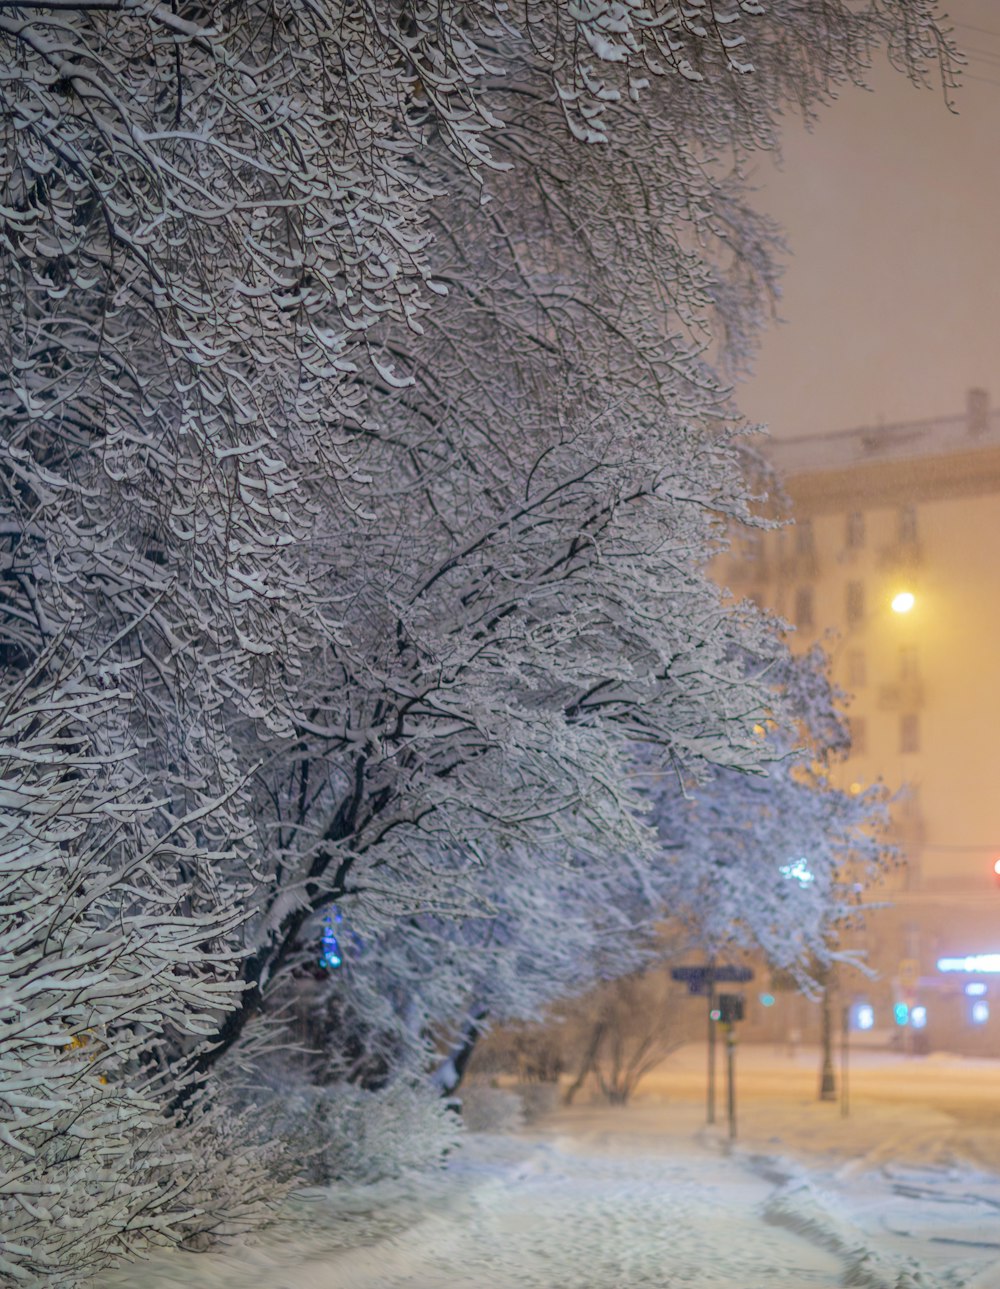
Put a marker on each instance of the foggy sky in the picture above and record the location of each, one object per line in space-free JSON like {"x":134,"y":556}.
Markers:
{"x":891,"y":301}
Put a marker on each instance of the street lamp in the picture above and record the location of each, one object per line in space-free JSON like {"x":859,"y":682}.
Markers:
{"x":903,"y":601}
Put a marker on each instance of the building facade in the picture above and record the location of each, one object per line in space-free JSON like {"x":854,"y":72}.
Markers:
{"x":893,"y":563}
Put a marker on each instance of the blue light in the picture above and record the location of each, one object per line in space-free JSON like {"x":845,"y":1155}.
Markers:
{"x":767,"y":1000}
{"x":798,"y":871}
{"x":978,"y":964}
{"x":918,"y":1018}
{"x":980,"y":1012}
{"x":331,"y":957}
{"x":901,"y":1013}
{"x":975,"y":989}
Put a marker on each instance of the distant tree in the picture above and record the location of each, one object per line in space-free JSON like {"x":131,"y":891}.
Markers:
{"x":626,"y":1028}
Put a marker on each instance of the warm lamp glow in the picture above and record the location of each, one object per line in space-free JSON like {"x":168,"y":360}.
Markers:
{"x":903,"y":602}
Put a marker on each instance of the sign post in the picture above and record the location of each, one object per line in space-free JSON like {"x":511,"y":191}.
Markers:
{"x":907,"y":978}
{"x":710,"y":1109}
{"x":827,"y":1078}
{"x":730,"y":1011}
{"x":701,"y":980}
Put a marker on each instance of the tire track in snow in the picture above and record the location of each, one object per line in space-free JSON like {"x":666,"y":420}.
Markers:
{"x":799,"y":1205}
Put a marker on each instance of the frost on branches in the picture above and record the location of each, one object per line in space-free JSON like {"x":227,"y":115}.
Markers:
{"x":531,"y":603}
{"x":361,"y":461}
{"x":106,"y":963}
{"x":783,"y":855}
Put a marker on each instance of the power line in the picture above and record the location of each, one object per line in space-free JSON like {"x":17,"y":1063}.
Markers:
{"x":983,"y":55}
{"x":983,"y":31}
{"x":995,"y":848}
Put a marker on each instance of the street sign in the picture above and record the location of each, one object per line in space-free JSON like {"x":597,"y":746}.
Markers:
{"x":699,"y":979}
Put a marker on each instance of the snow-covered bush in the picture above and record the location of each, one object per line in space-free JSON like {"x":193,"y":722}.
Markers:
{"x":104,"y":966}
{"x":402,"y":1127}
{"x":342,"y":1132}
{"x":233,"y":1175}
{"x":487,"y":1108}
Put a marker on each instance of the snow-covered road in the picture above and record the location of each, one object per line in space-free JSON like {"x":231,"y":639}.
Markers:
{"x":899,"y":1196}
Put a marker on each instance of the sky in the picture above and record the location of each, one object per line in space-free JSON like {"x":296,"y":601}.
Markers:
{"x":891,"y":206}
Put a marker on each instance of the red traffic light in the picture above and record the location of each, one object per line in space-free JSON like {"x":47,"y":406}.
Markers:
{"x":996,"y":870}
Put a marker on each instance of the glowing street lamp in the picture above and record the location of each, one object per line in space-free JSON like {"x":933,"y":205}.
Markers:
{"x":903,"y":602}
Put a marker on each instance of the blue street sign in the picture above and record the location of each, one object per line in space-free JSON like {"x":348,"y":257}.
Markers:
{"x":699,"y":979}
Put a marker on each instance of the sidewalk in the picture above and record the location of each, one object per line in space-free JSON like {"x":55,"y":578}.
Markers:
{"x":899,"y":1195}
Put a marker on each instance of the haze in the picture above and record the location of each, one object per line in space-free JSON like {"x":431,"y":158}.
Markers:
{"x":892,"y":290}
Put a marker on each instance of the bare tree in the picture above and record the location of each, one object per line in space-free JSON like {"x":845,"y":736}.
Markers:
{"x":627,"y":1028}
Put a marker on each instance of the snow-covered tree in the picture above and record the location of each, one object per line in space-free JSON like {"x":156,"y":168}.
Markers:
{"x":554,"y":461}
{"x":784,"y":855}
{"x":361,"y":460}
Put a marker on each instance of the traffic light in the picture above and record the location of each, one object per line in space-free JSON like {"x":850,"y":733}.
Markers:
{"x":730,"y":1008}
{"x":996,"y":870}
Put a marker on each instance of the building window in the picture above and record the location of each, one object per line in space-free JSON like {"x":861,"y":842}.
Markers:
{"x":857,"y":668}
{"x":804,"y":606}
{"x":805,"y":542}
{"x":855,"y":530}
{"x":909,"y":666}
{"x":857,"y":728}
{"x":855,"y":603}
{"x":909,"y":732}
{"x":908,"y":524}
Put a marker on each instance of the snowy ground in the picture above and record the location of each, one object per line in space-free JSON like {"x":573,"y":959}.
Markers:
{"x":903,"y":1193}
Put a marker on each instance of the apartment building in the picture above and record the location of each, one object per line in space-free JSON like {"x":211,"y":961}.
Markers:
{"x":893,"y":562}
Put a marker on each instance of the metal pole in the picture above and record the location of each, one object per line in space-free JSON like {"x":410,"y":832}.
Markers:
{"x":710,"y":1110}
{"x":731,"y":1076}
{"x":845,"y":1030}
{"x":827,"y":1080}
